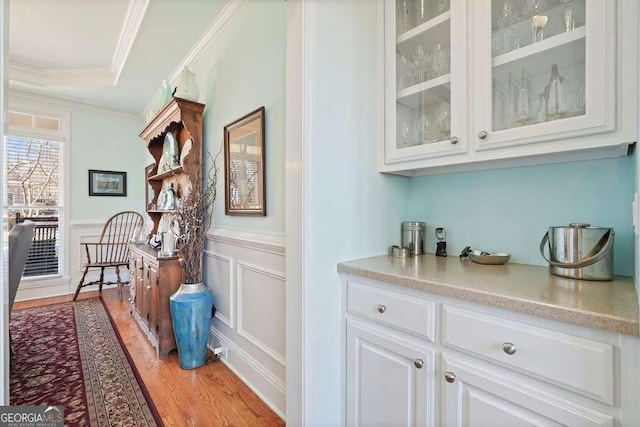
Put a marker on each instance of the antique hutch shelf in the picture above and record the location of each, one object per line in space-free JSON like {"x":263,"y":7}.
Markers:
{"x":155,"y":278}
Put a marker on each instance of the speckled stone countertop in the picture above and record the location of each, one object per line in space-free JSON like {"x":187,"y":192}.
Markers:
{"x":612,"y":306}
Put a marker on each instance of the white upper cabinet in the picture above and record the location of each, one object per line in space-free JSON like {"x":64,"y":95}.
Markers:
{"x":490,"y":83}
{"x":425,"y":82}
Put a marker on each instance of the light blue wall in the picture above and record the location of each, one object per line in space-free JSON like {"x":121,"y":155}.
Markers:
{"x":99,"y":139}
{"x":351,"y":211}
{"x":509,"y":210}
{"x":105,"y":141}
{"x":242,"y":70}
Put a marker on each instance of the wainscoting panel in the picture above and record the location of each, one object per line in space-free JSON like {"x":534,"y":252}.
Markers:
{"x":219,"y":277}
{"x":255,"y":286}
{"x":245,"y":272}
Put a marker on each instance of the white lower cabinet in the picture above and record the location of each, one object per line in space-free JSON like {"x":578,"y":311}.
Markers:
{"x":478,"y":365}
{"x":389,"y":383}
{"x":476,"y":398}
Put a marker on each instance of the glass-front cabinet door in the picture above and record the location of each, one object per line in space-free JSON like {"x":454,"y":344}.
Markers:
{"x":542,"y":70}
{"x":425,"y":78}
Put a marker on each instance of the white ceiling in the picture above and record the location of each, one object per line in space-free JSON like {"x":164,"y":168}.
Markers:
{"x":108,"y":53}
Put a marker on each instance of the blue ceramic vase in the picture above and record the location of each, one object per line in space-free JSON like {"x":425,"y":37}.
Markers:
{"x":191,"y":308}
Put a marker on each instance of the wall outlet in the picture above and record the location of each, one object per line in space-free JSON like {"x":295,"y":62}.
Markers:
{"x":220,"y":352}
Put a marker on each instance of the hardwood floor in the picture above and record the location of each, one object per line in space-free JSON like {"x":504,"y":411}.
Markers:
{"x":211,"y":395}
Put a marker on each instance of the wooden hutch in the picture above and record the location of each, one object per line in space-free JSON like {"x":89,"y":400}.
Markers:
{"x":155,"y":278}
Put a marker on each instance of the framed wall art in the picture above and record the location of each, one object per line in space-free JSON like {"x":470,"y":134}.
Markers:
{"x":107,"y":183}
{"x":244,"y":164}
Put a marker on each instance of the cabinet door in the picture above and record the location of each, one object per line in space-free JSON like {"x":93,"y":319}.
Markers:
{"x":153,"y":300}
{"x":388,"y":383}
{"x":145,"y":306}
{"x":543,"y":70}
{"x":474,"y":397}
{"x":139,"y":285}
{"x":425,"y":78}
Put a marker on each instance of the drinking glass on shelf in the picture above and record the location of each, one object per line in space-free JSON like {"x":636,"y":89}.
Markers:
{"x":404,"y":134}
{"x":440,"y":60}
{"x":507,"y":15}
{"x":442,"y":6}
{"x":522,"y":107}
{"x":419,"y":60}
{"x":569,"y":15}
{"x":581,"y":99}
{"x":523,"y":110}
{"x":403,"y":16}
{"x":403,"y":72}
{"x":444,"y":121}
{"x":539,"y":109}
{"x":555,"y":95}
{"x":534,"y":7}
{"x":537,"y":24}
{"x":426,"y":128}
{"x":422,"y":9}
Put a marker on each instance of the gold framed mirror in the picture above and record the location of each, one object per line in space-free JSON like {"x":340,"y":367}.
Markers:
{"x":244,"y":164}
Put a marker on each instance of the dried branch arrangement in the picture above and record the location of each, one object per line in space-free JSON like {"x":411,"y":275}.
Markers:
{"x":192,"y":220}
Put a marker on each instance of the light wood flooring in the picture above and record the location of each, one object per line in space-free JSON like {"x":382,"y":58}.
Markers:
{"x":210,"y":395}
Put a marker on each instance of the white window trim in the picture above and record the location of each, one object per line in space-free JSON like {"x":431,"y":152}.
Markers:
{"x":62,"y":135}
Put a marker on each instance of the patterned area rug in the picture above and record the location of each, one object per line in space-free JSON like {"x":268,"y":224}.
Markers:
{"x":70,"y":354}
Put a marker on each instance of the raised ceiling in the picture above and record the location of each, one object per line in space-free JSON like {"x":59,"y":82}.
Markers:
{"x":107,"y":53}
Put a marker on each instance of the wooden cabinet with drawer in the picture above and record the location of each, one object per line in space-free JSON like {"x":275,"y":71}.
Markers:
{"x":155,"y":280}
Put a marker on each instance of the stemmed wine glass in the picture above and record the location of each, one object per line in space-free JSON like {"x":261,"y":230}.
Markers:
{"x":505,"y":19}
{"x":537,"y":24}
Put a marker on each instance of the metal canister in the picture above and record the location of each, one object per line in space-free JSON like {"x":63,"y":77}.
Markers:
{"x":580,"y":251}
{"x":412,"y":236}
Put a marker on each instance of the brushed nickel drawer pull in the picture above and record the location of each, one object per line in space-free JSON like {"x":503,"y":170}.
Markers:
{"x":509,"y":348}
{"x":449,"y":377}
{"x":382,"y":308}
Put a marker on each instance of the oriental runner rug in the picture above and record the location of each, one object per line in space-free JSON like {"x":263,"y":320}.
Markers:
{"x":71,"y":354}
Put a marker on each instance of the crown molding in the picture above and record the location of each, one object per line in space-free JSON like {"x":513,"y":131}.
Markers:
{"x":17,"y":97}
{"x":221,"y":21}
{"x":30,"y":75}
{"x":219,"y":24}
{"x":133,"y":19}
{"x":20,"y":73}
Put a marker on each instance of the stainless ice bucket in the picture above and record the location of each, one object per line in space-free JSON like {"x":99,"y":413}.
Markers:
{"x":579,"y":251}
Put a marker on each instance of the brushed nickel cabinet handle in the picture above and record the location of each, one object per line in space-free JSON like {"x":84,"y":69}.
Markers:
{"x":454,"y":140}
{"x":382,"y":308}
{"x":419,"y":363}
{"x":483,"y":134}
{"x":509,"y":348}
{"x":449,"y":377}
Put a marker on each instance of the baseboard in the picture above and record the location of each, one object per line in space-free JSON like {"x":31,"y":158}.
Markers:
{"x":58,"y":290}
{"x":268,"y":387}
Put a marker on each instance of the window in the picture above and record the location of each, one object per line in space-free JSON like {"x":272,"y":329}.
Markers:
{"x":34,"y":186}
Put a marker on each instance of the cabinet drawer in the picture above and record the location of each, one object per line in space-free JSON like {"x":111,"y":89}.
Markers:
{"x":582,"y":365}
{"x":413,"y":315}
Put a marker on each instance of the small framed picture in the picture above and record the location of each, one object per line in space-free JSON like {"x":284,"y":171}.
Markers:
{"x":107,"y":183}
